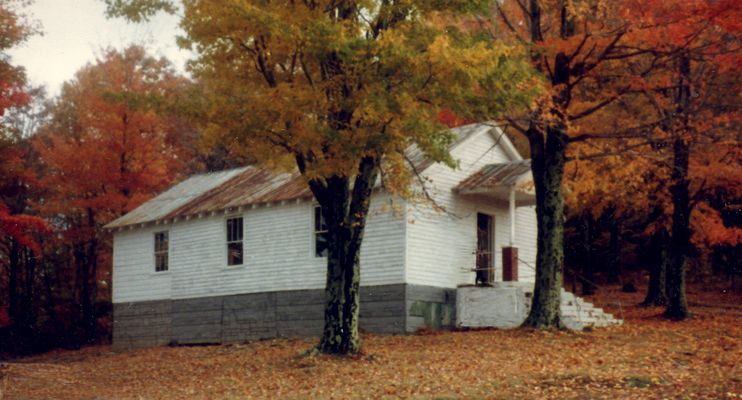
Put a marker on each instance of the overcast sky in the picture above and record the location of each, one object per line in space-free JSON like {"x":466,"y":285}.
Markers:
{"x":76,"y":31}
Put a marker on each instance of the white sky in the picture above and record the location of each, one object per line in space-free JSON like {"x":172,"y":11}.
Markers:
{"x":76,"y":31}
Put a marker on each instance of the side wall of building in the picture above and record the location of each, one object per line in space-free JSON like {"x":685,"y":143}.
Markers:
{"x":278,"y":254}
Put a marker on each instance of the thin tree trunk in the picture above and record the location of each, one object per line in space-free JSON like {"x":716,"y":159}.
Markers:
{"x":614,"y":250}
{"x":13,"y":269}
{"x":677,"y":305}
{"x":656,"y":293}
{"x":586,"y":257}
{"x":26,"y":309}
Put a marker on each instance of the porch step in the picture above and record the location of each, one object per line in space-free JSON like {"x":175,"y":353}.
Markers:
{"x":578,"y":314}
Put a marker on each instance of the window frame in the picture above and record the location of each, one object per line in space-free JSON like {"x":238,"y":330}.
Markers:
{"x":240,"y":241}
{"x":158,"y":251}
{"x":317,"y":230}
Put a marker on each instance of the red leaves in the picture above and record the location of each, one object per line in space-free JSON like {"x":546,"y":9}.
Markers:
{"x":22,"y":228}
{"x":111,"y":144}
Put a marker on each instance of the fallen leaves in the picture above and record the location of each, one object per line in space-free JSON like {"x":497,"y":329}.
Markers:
{"x":646,"y":358}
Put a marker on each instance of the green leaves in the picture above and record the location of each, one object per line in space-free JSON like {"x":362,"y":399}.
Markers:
{"x":139,"y":10}
{"x":333,"y":82}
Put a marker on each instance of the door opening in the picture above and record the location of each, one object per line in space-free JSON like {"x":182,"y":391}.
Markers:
{"x":485,"y":270}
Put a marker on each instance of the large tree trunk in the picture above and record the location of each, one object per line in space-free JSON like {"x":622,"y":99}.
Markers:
{"x":677,"y":306}
{"x":658,"y":257}
{"x":345,"y":210}
{"x":547,"y":164}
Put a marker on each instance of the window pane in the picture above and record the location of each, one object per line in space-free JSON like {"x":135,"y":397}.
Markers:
{"x":234,"y":229}
{"x":320,"y":244}
{"x":161,"y":262}
{"x":234,"y":253}
{"x":319,"y":220}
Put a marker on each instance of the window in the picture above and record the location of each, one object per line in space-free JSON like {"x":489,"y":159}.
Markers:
{"x":161,"y":249}
{"x":321,"y":236}
{"x":234,"y":241}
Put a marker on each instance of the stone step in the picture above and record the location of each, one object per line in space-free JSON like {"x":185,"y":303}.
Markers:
{"x":577,"y":314}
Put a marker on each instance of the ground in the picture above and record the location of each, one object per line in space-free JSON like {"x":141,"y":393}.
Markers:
{"x":646,"y":358}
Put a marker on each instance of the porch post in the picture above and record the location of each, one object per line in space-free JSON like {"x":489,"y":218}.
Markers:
{"x":512,"y":216}
{"x":510,"y":253}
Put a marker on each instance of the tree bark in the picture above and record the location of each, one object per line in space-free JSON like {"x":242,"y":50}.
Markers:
{"x":13,"y":269}
{"x":586,"y":257}
{"x":26,"y":310}
{"x":345,"y":210}
{"x":547,"y":137}
{"x":614,"y":250}
{"x":656,"y":293}
{"x":677,"y":305}
{"x":548,"y":159}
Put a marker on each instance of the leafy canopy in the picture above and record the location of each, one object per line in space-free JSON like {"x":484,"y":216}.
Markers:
{"x":326,"y":83}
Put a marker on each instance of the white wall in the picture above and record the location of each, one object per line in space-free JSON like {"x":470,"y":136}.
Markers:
{"x":441,"y":245}
{"x":134,"y":276}
{"x":278,"y":254}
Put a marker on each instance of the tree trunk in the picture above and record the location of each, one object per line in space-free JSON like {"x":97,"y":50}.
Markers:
{"x":677,"y":306}
{"x":13,"y":269}
{"x":345,"y":210}
{"x":656,"y":293}
{"x":548,"y":170}
{"x":27,"y":315}
{"x":586,"y":257}
{"x":614,"y":250}
{"x":87,"y":265}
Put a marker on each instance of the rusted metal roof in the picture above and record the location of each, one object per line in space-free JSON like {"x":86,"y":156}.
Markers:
{"x":174,"y":198}
{"x":251,"y":186}
{"x":492,"y":176}
{"x":217,"y":191}
{"x":206,"y":193}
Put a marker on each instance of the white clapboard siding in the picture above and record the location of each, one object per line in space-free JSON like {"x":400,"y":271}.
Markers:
{"x":134,"y":276}
{"x":441,"y":246}
{"x":279,"y":254}
{"x":525,"y":240}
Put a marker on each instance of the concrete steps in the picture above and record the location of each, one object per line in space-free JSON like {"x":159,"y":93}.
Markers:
{"x":578,"y":314}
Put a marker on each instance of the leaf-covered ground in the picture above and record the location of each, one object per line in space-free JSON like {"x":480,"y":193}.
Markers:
{"x":646,"y":358}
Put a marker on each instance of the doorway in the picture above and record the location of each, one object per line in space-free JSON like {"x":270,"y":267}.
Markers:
{"x":485,"y":270}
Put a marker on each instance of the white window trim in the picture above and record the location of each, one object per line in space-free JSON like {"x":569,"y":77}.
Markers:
{"x":154,"y":270}
{"x":225,"y":248}
{"x":313,"y":233}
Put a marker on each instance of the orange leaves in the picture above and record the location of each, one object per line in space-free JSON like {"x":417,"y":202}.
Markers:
{"x":646,"y":358}
{"x":111,"y":142}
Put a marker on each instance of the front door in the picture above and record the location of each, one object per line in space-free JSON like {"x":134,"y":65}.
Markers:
{"x":485,"y":272}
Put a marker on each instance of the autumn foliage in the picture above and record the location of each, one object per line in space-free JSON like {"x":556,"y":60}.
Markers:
{"x":647,"y":358}
{"x":629,"y":109}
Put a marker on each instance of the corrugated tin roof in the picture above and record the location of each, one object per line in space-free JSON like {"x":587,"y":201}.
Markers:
{"x":496,"y":175}
{"x":174,"y":198}
{"x":245,"y":186}
{"x":252,"y":186}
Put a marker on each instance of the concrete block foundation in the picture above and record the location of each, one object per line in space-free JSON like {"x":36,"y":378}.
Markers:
{"x":388,"y":309}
